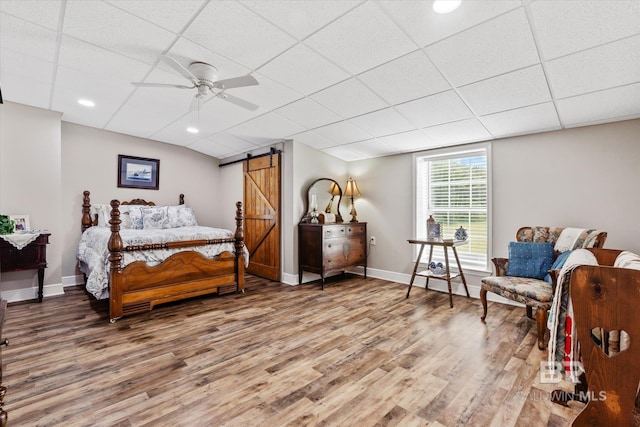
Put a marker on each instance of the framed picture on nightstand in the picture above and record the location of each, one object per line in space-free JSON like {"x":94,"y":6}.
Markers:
{"x":21,"y":223}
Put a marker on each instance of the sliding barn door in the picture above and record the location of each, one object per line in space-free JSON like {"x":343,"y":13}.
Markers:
{"x":262,"y":215}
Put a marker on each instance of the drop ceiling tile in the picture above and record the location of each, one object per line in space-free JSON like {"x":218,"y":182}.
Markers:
{"x":408,"y":141}
{"x":266,"y":128}
{"x":100,"y":62}
{"x":301,"y":18}
{"x":185,"y":52}
{"x":409,"y":77}
{"x":211,"y":148}
{"x":267,"y":94}
{"x":173,"y":15}
{"x":349,"y":98}
{"x":383,"y":122}
{"x":21,"y":89}
{"x":233,"y":143}
{"x":308,"y":113}
{"x":370,"y":148}
{"x":113,"y":29}
{"x":457,"y":132}
{"x":29,"y":67}
{"x":602,"y":67}
{"x":303,"y":70}
{"x":564,"y":27}
{"x":342,"y":133}
{"x":435,"y":109}
{"x":147,"y":112}
{"x":425,"y":26}
{"x":344,"y":153}
{"x":532,"y":119}
{"x":233,"y":31}
{"x":44,"y":13}
{"x":314,"y":140}
{"x":607,"y":105}
{"x":176,"y":133}
{"x":512,"y":90}
{"x":495,"y":47}
{"x":71,"y":85}
{"x":362,"y":39}
{"x":27,"y":38}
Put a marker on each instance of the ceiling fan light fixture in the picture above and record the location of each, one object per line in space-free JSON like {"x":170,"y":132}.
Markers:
{"x":446,"y":6}
{"x":86,"y":102}
{"x":193,"y":130}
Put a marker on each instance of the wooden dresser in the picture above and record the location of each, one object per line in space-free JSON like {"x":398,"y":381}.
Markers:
{"x":31,"y":257}
{"x":329,"y":248}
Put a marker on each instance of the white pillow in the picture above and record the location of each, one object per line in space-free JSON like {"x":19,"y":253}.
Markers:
{"x":104,"y":214}
{"x":131,"y":217}
{"x":154,"y":217}
{"x":181,"y":216}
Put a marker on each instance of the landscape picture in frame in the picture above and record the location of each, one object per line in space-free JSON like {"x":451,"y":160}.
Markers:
{"x":138,"y":172}
{"x":20,"y":223}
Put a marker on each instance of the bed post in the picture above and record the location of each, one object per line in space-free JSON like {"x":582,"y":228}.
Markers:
{"x":86,"y":211}
{"x":115,"y":261}
{"x":239,"y":246}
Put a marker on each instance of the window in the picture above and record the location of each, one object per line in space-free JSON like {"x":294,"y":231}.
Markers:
{"x":453,"y":188}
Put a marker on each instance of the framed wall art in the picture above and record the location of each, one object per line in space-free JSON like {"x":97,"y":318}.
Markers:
{"x":138,"y":172}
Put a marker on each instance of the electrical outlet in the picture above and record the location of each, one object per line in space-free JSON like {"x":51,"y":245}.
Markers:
{"x":373,"y":240}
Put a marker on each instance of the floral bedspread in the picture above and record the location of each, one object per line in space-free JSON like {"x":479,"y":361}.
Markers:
{"x":94,"y":255}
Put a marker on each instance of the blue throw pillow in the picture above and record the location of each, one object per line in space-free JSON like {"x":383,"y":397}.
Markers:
{"x":558,"y":264}
{"x":531,"y":260}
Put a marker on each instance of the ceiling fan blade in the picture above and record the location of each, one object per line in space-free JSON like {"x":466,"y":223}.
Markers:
{"x":180,"y":68}
{"x":239,"y":102}
{"x":161,"y":85}
{"x":241,"y":81}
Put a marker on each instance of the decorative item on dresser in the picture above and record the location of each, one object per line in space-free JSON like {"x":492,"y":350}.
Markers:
{"x":25,"y":251}
{"x":194,"y":260}
{"x":326,"y":247}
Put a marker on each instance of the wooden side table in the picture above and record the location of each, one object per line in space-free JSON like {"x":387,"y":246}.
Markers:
{"x":445,"y":244}
{"x":31,"y":257}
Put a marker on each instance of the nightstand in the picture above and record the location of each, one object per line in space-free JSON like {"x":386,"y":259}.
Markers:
{"x":31,"y":257}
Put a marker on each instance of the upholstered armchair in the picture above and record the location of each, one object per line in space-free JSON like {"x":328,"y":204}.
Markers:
{"x":524,"y":281}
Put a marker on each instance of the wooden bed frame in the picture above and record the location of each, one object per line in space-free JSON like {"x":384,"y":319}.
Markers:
{"x":138,"y":287}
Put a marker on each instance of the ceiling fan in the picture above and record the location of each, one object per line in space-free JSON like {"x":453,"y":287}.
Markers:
{"x":203,"y":77}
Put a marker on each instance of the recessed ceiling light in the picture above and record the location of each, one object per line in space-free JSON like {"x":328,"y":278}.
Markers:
{"x":86,"y":102}
{"x":446,"y":6}
{"x":192,"y":130}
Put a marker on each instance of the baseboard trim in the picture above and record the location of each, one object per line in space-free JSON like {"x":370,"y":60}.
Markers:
{"x":28,"y":294}
{"x":472,"y":277}
{"x":73,"y":280}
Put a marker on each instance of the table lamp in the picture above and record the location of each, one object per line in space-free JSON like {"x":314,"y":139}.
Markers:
{"x":352,"y":191}
{"x":334,"y":190}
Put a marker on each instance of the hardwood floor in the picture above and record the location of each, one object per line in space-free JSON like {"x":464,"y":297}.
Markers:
{"x":356,"y":354}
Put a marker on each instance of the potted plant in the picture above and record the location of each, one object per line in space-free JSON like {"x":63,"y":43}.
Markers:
{"x":6,"y":225}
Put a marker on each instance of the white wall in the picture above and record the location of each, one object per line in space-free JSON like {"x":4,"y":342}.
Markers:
{"x":90,"y":162}
{"x":583,"y":177}
{"x":302,"y":166}
{"x":30,"y":173}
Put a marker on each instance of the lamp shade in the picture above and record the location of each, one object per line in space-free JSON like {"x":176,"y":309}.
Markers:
{"x":352,"y":188}
{"x":334,"y":189}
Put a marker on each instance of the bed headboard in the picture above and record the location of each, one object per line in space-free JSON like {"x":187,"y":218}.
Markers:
{"x":88,"y":221}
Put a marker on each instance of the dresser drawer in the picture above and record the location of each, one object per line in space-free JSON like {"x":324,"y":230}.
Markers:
{"x":344,"y":252}
{"x":353,"y":229}
{"x":334,"y":231}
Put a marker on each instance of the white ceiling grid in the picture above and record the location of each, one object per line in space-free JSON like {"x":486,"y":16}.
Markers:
{"x":354,"y":78}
